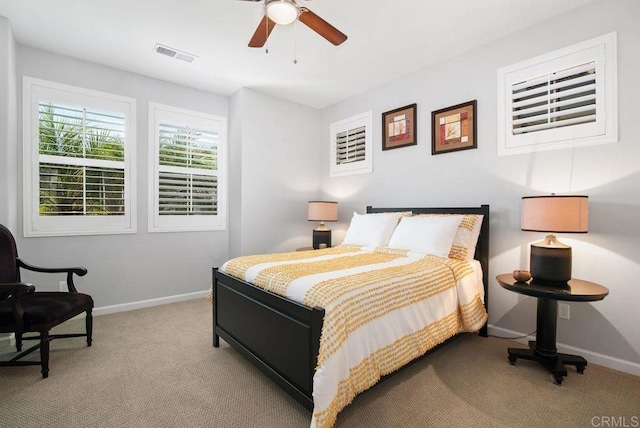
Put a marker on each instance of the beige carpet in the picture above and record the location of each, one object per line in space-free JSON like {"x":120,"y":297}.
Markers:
{"x":156,"y":368}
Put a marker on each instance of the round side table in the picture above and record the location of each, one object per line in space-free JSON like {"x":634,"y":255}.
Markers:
{"x":543,"y":349}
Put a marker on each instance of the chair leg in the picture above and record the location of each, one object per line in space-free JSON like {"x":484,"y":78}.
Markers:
{"x":44,"y":353}
{"x":89,"y":323}
{"x":18,"y":336}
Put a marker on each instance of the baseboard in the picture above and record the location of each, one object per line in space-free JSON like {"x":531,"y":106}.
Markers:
{"x":7,"y":340}
{"x":592,"y":357}
{"x":148,"y":303}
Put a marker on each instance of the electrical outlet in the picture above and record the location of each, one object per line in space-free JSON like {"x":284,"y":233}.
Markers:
{"x":62,"y":286}
{"x":564,"y":311}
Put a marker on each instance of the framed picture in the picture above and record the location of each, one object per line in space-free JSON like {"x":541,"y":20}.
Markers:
{"x":399,"y":128}
{"x":454,"y":128}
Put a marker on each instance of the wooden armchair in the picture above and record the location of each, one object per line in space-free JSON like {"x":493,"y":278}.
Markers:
{"x":24,"y":310}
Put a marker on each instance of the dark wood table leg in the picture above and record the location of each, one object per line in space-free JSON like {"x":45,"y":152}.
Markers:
{"x":573,"y":360}
{"x":546,"y":328}
{"x":543,"y":349}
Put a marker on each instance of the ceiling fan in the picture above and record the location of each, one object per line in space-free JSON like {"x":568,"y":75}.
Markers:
{"x":284,"y":12}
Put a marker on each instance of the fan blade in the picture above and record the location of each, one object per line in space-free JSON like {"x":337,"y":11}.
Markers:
{"x":321,"y":26}
{"x":262,"y":33}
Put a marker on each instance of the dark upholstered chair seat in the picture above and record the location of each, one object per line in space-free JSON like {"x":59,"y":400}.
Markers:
{"x":44,"y":309}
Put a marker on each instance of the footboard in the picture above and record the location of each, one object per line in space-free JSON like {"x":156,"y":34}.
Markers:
{"x":280,"y":336}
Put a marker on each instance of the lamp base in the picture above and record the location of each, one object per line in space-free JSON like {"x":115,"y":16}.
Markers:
{"x":550,"y":264}
{"x":321,"y":237}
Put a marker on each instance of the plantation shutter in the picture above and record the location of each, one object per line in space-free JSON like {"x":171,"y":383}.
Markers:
{"x":558,"y":100}
{"x":351,"y":146}
{"x":80,"y":160}
{"x":188,"y":170}
{"x":563,"y":98}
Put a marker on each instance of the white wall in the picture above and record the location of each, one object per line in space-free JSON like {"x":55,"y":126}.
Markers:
{"x":610,"y":174}
{"x":136,"y":267}
{"x":275,"y":173}
{"x":8,"y":127}
{"x":8,"y":150}
{"x":236,"y":237}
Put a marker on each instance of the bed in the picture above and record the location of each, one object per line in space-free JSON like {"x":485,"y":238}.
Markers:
{"x":282,"y":336}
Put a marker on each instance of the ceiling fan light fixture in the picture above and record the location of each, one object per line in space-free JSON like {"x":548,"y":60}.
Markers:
{"x":282,"y":12}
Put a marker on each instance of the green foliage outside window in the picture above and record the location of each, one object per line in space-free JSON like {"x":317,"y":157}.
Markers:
{"x":182,"y":192}
{"x":66,"y":188}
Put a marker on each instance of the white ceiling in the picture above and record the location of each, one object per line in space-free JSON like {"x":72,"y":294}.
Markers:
{"x":387,"y":39}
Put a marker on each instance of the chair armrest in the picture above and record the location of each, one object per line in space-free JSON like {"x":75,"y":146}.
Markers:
{"x":80,"y":271}
{"x":13,"y":291}
{"x":16,"y":289}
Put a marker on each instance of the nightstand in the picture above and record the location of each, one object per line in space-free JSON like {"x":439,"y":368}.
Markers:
{"x":543,"y":349}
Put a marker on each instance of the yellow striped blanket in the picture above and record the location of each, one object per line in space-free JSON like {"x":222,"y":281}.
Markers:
{"x":383,"y":308}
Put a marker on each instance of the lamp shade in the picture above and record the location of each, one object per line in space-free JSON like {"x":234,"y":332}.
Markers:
{"x":322,"y":211}
{"x":553,"y":213}
{"x":282,"y":12}
{"x":551,"y":260}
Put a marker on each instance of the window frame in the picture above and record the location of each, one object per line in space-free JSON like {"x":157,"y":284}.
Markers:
{"x":603,"y":51}
{"x":185,"y":223}
{"x":35,"y":225}
{"x":354,"y":122}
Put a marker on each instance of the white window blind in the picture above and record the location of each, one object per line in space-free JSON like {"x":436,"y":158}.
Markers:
{"x":351,"y":146}
{"x":81,"y":160}
{"x":563,"y":99}
{"x":78,"y":154}
{"x":188,"y":170}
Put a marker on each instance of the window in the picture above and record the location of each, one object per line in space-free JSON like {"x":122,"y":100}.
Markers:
{"x":563,"y":99}
{"x":78,"y":155}
{"x":351,"y":146}
{"x":188,"y":180}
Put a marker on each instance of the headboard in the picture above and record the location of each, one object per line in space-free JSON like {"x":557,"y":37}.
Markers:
{"x":482,"y":249}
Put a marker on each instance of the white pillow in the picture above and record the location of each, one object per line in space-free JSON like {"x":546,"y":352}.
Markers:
{"x":466,"y":239}
{"x":371,"y":230}
{"x":431,"y":235}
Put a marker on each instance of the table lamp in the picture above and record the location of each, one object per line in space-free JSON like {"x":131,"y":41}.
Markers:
{"x":550,"y":260}
{"x":322,"y":211}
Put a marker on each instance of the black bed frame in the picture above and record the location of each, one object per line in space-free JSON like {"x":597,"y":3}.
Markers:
{"x":282,"y":337}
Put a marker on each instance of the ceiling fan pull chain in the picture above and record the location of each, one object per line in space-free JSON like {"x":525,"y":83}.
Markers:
{"x":295,"y":42}
{"x":266,"y":30}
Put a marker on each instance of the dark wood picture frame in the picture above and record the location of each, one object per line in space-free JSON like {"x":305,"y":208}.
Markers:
{"x":454,"y":128}
{"x":400,"y":127}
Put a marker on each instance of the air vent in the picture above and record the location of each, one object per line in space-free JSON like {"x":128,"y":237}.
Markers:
{"x":174,"y":53}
